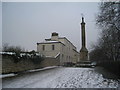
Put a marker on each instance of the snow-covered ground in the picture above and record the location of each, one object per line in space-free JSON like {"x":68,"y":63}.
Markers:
{"x":60,"y":78}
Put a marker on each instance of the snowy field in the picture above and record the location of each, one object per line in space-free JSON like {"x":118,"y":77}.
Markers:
{"x":60,"y":78}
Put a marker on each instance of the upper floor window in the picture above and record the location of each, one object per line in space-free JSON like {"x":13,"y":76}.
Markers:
{"x":53,"y":47}
{"x":62,"y":56}
{"x":43,"y":47}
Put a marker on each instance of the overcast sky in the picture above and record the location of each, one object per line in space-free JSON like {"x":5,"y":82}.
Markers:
{"x":27,"y":23}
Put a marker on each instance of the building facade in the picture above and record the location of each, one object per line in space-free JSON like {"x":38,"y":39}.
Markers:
{"x":59,"y":46}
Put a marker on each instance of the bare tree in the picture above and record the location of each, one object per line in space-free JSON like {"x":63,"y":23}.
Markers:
{"x":16,"y":49}
{"x":108,"y":21}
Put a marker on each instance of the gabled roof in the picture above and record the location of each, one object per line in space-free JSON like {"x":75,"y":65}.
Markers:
{"x":66,"y":39}
{"x":60,"y":38}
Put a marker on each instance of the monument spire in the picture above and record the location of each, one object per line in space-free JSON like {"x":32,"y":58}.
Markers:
{"x":82,"y":19}
{"x":83,"y":33}
{"x":83,"y":51}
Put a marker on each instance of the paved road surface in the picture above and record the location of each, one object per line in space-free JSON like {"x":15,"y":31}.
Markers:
{"x":61,"y":77}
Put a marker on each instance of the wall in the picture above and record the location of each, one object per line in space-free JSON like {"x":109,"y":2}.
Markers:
{"x":49,"y":52}
{"x":8,"y":66}
{"x":50,"y":62}
{"x":48,"y":49}
{"x":69,"y":52}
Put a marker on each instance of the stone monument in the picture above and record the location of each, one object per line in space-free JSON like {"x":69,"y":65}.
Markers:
{"x":83,"y":50}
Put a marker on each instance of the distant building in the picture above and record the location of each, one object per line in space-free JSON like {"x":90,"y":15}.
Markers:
{"x":59,"y":46}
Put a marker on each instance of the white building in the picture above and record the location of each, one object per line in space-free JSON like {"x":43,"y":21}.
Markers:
{"x":59,"y":46}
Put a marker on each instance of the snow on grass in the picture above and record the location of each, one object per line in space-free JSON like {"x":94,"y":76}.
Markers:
{"x":62,"y":78}
{"x":82,"y":78}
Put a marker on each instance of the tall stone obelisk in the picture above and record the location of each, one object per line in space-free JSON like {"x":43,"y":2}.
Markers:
{"x":83,"y":51}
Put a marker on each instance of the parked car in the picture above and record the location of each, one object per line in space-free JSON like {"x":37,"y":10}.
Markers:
{"x":93,"y":64}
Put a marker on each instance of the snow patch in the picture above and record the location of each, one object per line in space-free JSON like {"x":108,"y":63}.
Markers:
{"x":45,"y":68}
{"x":9,"y":53}
{"x":57,"y":55}
{"x":7,"y":75}
{"x":54,"y":56}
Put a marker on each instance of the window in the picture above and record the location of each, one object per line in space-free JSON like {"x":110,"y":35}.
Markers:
{"x":69,"y":58}
{"x":66,"y":57}
{"x":53,"y":47}
{"x":43,"y":47}
{"x":62,"y":56}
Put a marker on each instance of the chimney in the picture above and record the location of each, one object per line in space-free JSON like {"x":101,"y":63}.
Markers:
{"x":54,"y":36}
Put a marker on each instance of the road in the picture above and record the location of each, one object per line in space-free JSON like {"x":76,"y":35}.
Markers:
{"x":62,"y":77}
